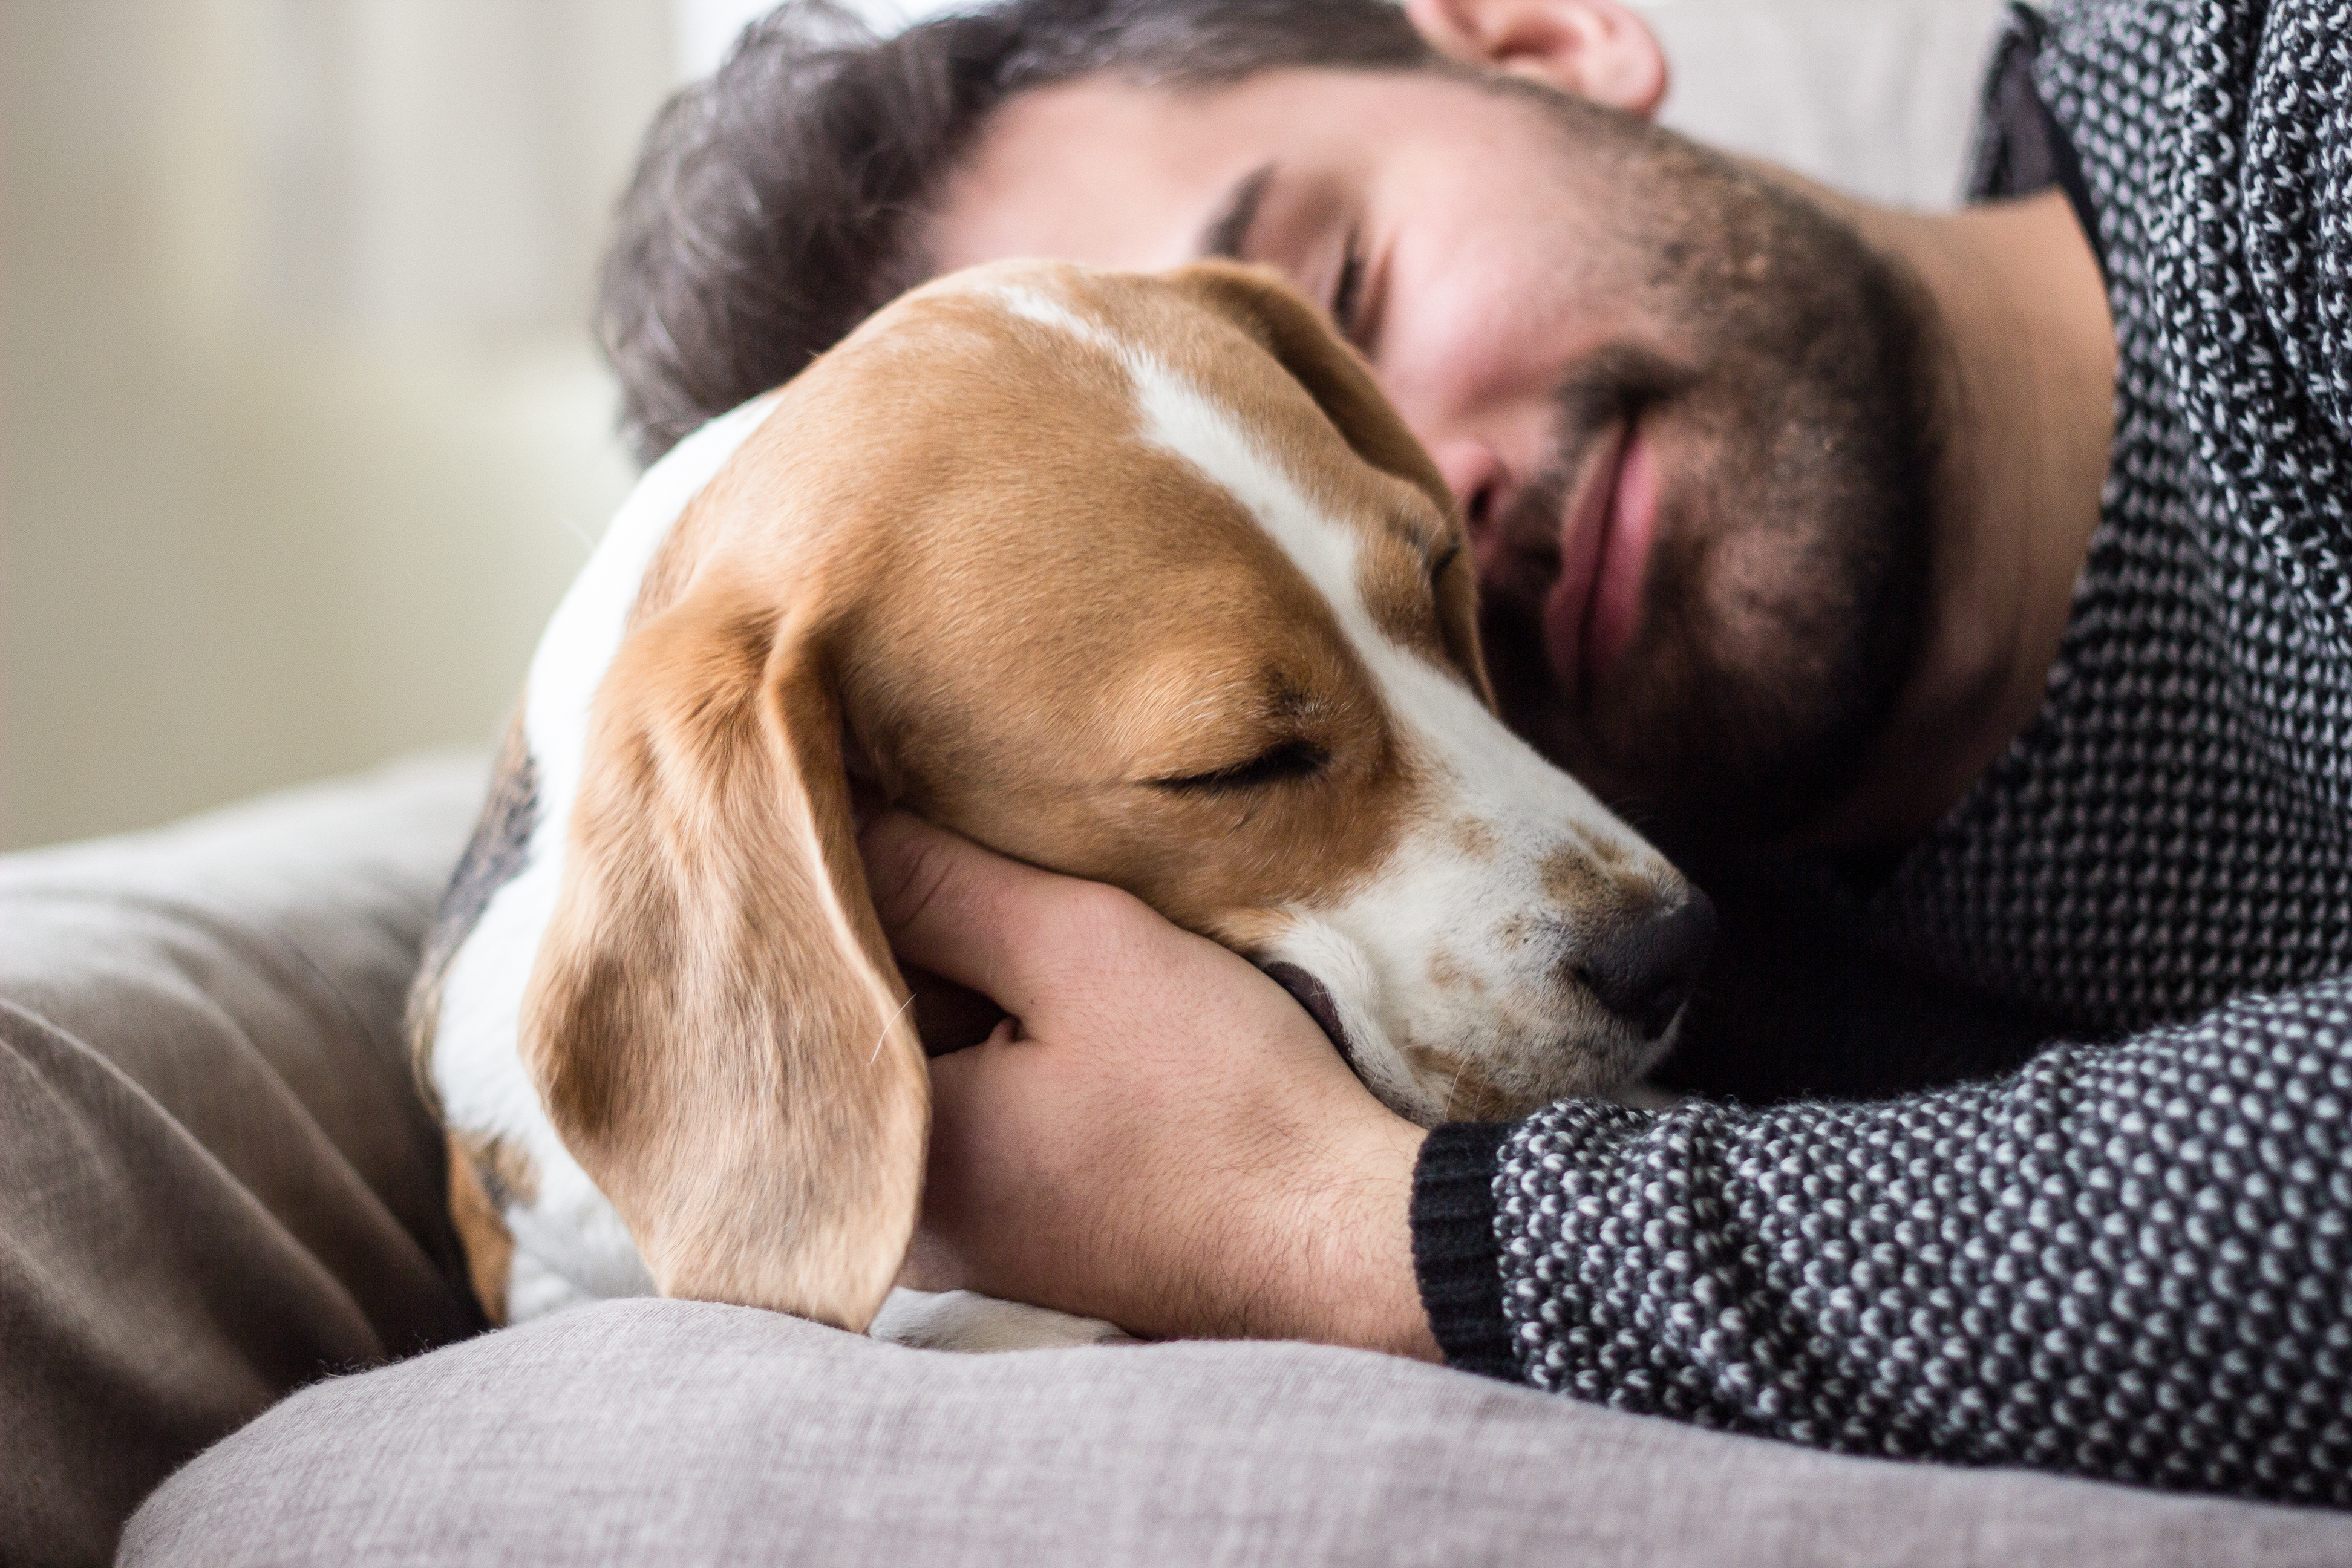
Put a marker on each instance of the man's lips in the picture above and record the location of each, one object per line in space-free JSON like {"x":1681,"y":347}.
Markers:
{"x":1616,"y":612}
{"x":1595,"y":603}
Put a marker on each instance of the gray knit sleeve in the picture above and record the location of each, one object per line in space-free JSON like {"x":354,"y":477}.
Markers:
{"x":2130,"y":1262}
{"x":2296,"y":187}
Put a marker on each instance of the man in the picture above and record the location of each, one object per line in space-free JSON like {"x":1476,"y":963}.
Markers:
{"x":1981,"y":578}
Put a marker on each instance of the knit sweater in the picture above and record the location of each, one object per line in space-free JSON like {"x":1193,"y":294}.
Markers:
{"x":2131,"y":1257}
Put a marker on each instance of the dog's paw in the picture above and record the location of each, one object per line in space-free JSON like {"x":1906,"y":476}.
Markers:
{"x":965,"y":1321}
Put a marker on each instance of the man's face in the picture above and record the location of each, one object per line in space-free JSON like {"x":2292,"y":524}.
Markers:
{"x":1681,"y":408}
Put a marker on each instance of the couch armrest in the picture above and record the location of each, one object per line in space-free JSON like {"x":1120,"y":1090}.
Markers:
{"x":217,"y":1180}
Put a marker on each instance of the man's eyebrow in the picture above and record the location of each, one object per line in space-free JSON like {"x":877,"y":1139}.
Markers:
{"x":1226,"y":233}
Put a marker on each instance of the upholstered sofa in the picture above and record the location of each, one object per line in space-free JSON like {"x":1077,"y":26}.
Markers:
{"x":220,"y":1207}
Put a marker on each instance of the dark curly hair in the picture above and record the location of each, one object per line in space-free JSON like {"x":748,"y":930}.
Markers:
{"x":775,"y":204}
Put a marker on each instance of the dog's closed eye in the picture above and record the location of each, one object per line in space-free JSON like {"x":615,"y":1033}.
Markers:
{"x":1282,"y":764}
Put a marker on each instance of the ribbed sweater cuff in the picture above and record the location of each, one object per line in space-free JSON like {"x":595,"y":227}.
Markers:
{"x":1454,"y":1250}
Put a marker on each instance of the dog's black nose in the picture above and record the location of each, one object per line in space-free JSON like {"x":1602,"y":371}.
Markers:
{"x":1643,"y":970}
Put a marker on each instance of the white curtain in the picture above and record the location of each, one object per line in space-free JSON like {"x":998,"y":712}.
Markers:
{"x":302,"y":426}
{"x":445,"y":164}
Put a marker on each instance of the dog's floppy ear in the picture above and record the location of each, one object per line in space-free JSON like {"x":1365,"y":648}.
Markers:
{"x":714,"y":1020}
{"x":1258,"y":301}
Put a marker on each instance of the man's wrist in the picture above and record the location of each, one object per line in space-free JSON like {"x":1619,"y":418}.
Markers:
{"x":1352,"y":1282}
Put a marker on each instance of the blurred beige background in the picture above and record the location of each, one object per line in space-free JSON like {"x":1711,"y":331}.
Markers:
{"x":299,"y":426}
{"x":300,"y":431}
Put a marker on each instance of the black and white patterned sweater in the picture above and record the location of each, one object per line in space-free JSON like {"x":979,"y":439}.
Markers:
{"x":2131,"y":1257}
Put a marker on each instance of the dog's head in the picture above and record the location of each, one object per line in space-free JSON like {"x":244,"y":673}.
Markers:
{"x":1137,"y":579}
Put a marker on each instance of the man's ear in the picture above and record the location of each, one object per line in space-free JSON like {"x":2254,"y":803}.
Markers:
{"x":1598,"y":49}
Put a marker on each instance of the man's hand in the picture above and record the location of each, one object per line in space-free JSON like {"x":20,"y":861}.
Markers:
{"x":1159,"y":1135}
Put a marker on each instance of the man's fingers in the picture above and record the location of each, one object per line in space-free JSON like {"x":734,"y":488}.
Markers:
{"x":957,"y":909}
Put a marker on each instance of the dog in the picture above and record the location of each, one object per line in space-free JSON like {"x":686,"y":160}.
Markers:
{"x":1135,"y":578}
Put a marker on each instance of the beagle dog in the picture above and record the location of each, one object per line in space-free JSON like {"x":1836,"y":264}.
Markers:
{"x":1135,"y":578}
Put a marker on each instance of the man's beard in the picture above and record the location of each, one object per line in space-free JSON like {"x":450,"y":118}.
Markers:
{"x":1782,"y":607}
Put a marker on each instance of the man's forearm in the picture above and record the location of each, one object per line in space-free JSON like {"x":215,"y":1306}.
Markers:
{"x":2131,"y":1262}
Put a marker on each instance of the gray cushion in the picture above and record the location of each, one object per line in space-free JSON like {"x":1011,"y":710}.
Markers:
{"x":681,"y":1432}
{"x":217,"y":1180}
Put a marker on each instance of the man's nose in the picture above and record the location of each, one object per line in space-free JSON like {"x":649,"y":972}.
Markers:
{"x":1645,"y":969}
{"x":1480,"y":481}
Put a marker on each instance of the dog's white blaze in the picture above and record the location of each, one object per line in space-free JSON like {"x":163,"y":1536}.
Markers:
{"x":577,"y":1247}
{"x":1046,"y":311}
